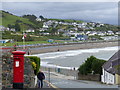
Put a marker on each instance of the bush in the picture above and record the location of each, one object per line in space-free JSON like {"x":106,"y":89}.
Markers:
{"x":83,"y":69}
{"x":35,"y":61}
{"x":91,"y":65}
{"x":97,"y":66}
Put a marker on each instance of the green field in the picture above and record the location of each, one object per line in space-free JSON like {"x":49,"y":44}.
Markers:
{"x":8,"y":18}
{"x":31,"y":42}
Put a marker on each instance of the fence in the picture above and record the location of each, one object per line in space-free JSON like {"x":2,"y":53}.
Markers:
{"x":67,"y":72}
{"x":72,"y":72}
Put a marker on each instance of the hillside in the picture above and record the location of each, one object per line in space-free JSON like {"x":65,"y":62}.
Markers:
{"x":10,"y":19}
{"x":68,"y":20}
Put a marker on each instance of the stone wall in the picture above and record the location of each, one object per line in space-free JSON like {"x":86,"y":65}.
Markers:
{"x":90,"y":77}
{"x":7,"y":72}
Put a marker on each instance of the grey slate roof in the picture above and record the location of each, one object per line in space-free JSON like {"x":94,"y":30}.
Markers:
{"x":111,"y":65}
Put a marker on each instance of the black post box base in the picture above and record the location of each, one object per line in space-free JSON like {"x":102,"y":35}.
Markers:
{"x":17,"y":85}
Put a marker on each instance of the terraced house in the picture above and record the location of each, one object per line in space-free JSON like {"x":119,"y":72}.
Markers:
{"x":111,"y":70}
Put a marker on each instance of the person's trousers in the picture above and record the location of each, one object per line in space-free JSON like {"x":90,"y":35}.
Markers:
{"x":40,"y":83}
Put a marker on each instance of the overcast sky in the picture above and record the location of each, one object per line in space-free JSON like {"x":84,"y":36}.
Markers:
{"x":104,"y":12}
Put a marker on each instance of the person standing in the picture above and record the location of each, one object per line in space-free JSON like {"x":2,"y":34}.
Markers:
{"x":40,"y":77}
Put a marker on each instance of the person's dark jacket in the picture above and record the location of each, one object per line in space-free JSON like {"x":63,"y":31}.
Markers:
{"x":40,"y":76}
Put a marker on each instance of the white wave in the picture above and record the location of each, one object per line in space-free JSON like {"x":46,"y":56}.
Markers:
{"x":63,"y":54}
{"x":46,"y":64}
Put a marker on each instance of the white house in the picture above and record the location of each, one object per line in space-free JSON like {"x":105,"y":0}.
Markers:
{"x":118,"y":32}
{"x":111,"y":70}
{"x":110,"y":38}
{"x":30,"y":30}
{"x":110,"y":33}
{"x":92,"y":33}
{"x":101,"y":33}
{"x":12,"y":29}
{"x":84,"y":23}
{"x":45,"y":33}
{"x":45,"y":26}
{"x":5,"y":40}
{"x":38,"y":19}
{"x":107,"y":77}
{"x":2,"y":27}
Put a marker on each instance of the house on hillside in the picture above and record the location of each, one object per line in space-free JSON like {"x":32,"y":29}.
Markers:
{"x":39,"y":19}
{"x":2,"y":28}
{"x":5,"y":41}
{"x":110,"y":38}
{"x":30,"y":30}
{"x":111,"y":70}
{"x":45,"y":26}
{"x":92,"y":33}
{"x":44,"y":33}
{"x":12,"y":29}
{"x":117,"y":33}
{"x":110,"y":33}
{"x":82,"y":37}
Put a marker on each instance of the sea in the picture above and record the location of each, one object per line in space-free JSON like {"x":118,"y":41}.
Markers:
{"x":74,"y":58}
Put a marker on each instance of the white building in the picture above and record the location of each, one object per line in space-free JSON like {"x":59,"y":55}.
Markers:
{"x":110,"y":33}
{"x":84,"y":23}
{"x":111,"y":71}
{"x":110,"y":37}
{"x":12,"y":29}
{"x":107,"y":77}
{"x":92,"y":33}
{"x":101,"y":33}
{"x":2,"y":28}
{"x":45,"y":26}
{"x":30,"y":30}
{"x":45,"y":33}
{"x":118,"y":32}
{"x":38,"y":19}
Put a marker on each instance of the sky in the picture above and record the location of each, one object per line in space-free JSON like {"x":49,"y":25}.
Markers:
{"x":102,"y":12}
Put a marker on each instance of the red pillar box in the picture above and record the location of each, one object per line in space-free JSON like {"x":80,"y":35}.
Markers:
{"x":18,"y":69}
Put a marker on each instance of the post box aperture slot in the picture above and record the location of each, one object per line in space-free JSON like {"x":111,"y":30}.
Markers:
{"x":17,"y":62}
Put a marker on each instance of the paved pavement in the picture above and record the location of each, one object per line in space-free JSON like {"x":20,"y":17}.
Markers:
{"x":62,"y":81}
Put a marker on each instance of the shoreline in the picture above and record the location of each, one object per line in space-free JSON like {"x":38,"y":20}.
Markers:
{"x":40,"y":50}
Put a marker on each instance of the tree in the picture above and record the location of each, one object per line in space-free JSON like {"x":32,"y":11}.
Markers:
{"x":89,"y":62}
{"x":10,"y":26}
{"x":83,"y":69}
{"x":97,"y":66}
{"x":30,"y":17}
{"x":92,"y":64}
{"x":17,"y":27}
{"x":18,"y":21}
{"x":41,"y":17}
{"x":29,"y":38}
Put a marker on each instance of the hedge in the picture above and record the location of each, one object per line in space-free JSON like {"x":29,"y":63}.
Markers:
{"x":35,"y":62}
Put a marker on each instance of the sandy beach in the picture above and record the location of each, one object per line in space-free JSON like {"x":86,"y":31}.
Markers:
{"x":39,"y":50}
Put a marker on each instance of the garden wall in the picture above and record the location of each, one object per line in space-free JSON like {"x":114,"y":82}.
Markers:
{"x":90,"y":77}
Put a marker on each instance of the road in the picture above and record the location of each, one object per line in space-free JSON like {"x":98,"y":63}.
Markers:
{"x":62,"y":81}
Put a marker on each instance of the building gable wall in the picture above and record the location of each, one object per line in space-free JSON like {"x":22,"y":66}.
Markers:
{"x":107,"y":77}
